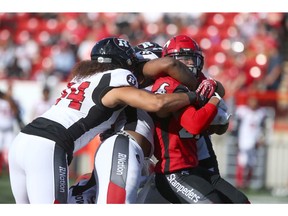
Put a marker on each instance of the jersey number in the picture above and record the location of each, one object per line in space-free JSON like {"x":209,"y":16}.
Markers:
{"x":76,"y":95}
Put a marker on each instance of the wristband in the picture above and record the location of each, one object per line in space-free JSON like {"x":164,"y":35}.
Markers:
{"x":192,"y":97}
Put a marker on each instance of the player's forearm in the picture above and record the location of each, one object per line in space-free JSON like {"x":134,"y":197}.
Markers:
{"x":173,"y":102}
{"x":168,"y":66}
{"x":181,"y":72}
{"x":195,"y":121}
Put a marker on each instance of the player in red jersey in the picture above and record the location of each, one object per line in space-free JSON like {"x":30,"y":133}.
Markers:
{"x":185,"y":49}
{"x":178,"y":177}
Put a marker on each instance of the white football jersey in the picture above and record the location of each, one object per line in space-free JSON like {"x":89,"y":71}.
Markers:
{"x":250,"y":129}
{"x":80,"y":110}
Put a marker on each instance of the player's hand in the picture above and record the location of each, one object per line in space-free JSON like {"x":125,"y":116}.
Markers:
{"x":207,"y":88}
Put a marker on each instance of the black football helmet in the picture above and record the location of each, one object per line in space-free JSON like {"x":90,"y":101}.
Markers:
{"x":149,"y":46}
{"x":184,"y":47}
{"x":115,"y":50}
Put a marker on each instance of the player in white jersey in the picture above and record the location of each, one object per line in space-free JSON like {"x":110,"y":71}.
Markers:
{"x":250,"y":123}
{"x":124,"y":150}
{"x":99,"y":90}
{"x":118,"y":181}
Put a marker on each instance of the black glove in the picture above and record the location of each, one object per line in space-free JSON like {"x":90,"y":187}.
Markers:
{"x":196,"y":99}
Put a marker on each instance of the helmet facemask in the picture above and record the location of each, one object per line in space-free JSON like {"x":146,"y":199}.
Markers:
{"x":192,"y":60}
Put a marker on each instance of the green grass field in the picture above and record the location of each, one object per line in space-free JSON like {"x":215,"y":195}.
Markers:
{"x":6,"y":196}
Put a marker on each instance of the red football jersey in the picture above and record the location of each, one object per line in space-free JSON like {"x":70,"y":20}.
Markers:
{"x":175,"y":137}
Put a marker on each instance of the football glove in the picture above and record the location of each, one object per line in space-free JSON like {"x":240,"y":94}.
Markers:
{"x":207,"y":88}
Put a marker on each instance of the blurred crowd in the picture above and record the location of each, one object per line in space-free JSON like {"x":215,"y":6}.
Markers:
{"x":242,"y":50}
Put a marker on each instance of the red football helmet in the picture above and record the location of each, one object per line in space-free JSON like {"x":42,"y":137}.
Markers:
{"x":184,"y":48}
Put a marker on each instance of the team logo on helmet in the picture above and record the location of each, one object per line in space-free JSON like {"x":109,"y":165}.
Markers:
{"x":144,"y":56}
{"x":123,"y":43}
{"x":149,"y":46}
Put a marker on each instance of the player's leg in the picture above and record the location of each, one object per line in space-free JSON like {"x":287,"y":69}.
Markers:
{"x":189,"y":186}
{"x":53,"y":177}
{"x":16,"y":169}
{"x":240,"y":169}
{"x":118,"y":165}
{"x":135,"y":168}
{"x":229,"y":194}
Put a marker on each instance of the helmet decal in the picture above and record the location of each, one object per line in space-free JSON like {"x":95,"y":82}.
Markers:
{"x":144,"y":56}
{"x":123,"y":43}
{"x":149,"y":46}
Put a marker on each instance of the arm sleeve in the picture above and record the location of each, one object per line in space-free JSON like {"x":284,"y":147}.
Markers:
{"x":195,"y":121}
